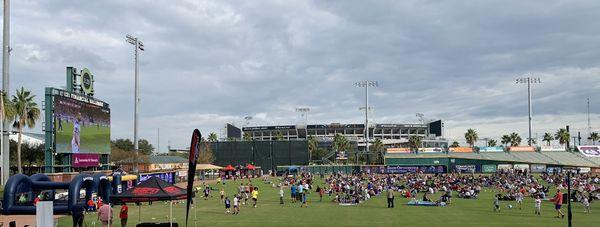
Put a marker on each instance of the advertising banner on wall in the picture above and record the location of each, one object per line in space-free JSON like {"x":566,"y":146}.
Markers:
{"x":521,"y":149}
{"x":373,"y":169}
{"x":86,"y":160}
{"x":589,"y":151}
{"x":505,"y":166}
{"x":488,"y":168}
{"x":491,"y":149}
{"x":461,"y":149}
{"x":553,"y":148}
{"x":414,"y":169}
{"x":465,"y":168}
{"x":396,"y":150}
{"x":553,"y":170}
{"x":431,"y":150}
{"x":522,"y":166}
{"x":535,"y":168}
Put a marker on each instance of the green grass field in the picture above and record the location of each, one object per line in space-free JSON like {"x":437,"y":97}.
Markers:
{"x":94,"y":139}
{"x":370,"y":213}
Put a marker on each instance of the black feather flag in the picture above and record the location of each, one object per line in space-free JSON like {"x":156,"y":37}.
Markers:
{"x":193,"y":158}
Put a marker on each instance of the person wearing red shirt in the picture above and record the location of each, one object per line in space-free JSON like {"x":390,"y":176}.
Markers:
{"x":558,"y":200}
{"x":123,"y":215}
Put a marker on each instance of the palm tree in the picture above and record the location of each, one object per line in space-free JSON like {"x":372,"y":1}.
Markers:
{"x":515,"y":139}
{"x":278,"y":135}
{"x":26,"y":114}
{"x":313,"y":146}
{"x":212,"y":137}
{"x":455,"y":144}
{"x":247,"y":137}
{"x":340,"y":143}
{"x":471,"y":137}
{"x":594,"y":137}
{"x":505,"y":139}
{"x":492,"y":143}
{"x":548,"y":138}
{"x":415,"y":142}
{"x":378,"y":147}
{"x":562,"y":136}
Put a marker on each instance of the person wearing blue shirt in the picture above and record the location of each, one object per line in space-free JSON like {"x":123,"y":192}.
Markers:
{"x":293,"y":188}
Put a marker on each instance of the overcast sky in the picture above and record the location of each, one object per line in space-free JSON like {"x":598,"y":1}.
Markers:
{"x":211,"y":62}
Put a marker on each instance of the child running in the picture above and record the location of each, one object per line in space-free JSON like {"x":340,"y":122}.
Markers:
{"x":236,"y":204}
{"x":586,"y":205}
{"x":255,"y":196}
{"x":497,"y":203}
{"x":227,"y":205}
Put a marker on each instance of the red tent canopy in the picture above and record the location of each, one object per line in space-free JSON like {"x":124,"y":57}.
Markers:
{"x":153,"y":189}
{"x":250,"y":167}
{"x":229,"y":168}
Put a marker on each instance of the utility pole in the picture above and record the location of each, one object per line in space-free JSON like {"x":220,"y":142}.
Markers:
{"x":529,"y":81}
{"x":5,"y":88}
{"x":158,"y":142}
{"x":366,"y":84}
{"x":139,"y":46}
{"x":589,"y":121}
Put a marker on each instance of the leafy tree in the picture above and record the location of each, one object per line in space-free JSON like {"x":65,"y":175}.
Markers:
{"x":145,"y":147}
{"x":532,"y":141}
{"x":548,"y":138}
{"x":415,"y":142}
{"x":26,"y":115}
{"x":455,"y":144}
{"x":378,"y":147}
{"x":562,"y":136}
{"x":515,"y":139}
{"x":471,"y":137}
{"x":313,"y":147}
{"x":492,"y":143}
{"x":212,"y":137}
{"x":505,"y":139}
{"x":594,"y":137}
{"x":123,"y":144}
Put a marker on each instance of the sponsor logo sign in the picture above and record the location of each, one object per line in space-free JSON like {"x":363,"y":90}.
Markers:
{"x":535,"y":168}
{"x":488,"y":168}
{"x":491,"y":149}
{"x":589,"y":151}
{"x":522,"y":166}
{"x":86,"y":160}
{"x":553,"y":148}
{"x":465,"y":168}
{"x":431,"y":150}
{"x":461,"y":149}
{"x":398,"y":150}
{"x":521,"y":149}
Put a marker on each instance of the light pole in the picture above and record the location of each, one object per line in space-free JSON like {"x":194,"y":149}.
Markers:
{"x":303,"y":113}
{"x":139,"y":46}
{"x":366,"y":84}
{"x":529,"y":81}
{"x":5,"y":82}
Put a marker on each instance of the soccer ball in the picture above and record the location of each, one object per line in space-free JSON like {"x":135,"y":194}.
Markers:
{"x":509,"y":206}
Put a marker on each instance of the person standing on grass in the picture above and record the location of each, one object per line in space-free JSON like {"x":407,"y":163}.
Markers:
{"x":105,"y":215}
{"x":77,"y":213}
{"x":558,"y":199}
{"x":321,"y":192}
{"x":303,"y":196}
{"x":519,"y":199}
{"x":497,"y":203}
{"x":390,"y":197}
{"x":222,"y":193}
{"x":538,"y":205}
{"x":124,"y":214}
{"x":280,"y":195}
{"x":586,"y":205}
{"x":255,"y":196}
{"x":294,"y":191}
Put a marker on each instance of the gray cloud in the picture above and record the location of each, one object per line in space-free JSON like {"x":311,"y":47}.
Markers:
{"x":211,"y":62}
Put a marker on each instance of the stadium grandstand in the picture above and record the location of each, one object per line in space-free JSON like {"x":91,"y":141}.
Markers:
{"x":391,"y":135}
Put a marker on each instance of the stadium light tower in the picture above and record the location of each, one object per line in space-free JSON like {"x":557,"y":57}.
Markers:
{"x":139,"y":46}
{"x":529,"y":80}
{"x":366,"y":84}
{"x":5,"y":160}
{"x":303,"y":113}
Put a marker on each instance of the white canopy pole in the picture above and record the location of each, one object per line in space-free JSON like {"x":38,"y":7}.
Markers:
{"x":171,"y":211}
